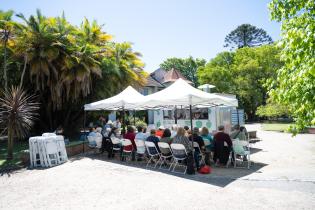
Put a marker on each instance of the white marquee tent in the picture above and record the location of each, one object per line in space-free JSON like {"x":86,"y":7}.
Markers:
{"x":122,"y":101}
{"x":180,"y":93}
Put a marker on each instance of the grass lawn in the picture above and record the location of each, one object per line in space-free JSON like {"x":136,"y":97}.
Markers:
{"x":19,"y":147}
{"x":281,"y":127}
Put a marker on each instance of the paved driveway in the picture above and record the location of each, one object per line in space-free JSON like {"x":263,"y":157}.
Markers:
{"x":283,"y":177}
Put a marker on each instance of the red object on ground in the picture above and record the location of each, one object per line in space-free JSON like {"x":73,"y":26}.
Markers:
{"x":205,"y":170}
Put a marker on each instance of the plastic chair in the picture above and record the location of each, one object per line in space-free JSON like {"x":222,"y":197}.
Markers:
{"x":166,"y":153}
{"x":140,"y":147}
{"x":48,"y":134}
{"x":127,"y":148}
{"x":52,"y":152}
{"x":63,"y":157}
{"x":241,"y":150}
{"x":152,"y":152}
{"x":116,"y":144}
{"x":179,"y":155}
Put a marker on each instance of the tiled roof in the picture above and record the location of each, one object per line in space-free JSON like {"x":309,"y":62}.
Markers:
{"x":158,"y":75}
{"x":151,"y":82}
{"x":172,"y":75}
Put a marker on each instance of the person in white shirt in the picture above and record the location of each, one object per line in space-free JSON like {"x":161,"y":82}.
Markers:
{"x":141,"y":135}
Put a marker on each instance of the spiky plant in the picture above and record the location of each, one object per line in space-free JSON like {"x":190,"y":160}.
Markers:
{"x":17,"y":114}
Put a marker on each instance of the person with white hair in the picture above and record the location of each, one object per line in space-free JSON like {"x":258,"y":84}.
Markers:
{"x":174,"y":130}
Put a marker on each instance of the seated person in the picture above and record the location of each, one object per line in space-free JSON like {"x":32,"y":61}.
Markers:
{"x":141,"y":135}
{"x":131,"y":136}
{"x":166,"y":137}
{"x":160,"y":131}
{"x":207,"y":137}
{"x":92,"y":131}
{"x":154,"y":139}
{"x":196,"y":138}
{"x":174,"y":130}
{"x":221,"y":152}
{"x":181,"y":138}
{"x":238,"y":134}
{"x":187,"y":131}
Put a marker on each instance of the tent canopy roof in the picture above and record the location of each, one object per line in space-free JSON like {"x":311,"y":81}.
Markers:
{"x":125,"y":100}
{"x":180,"y":93}
{"x":183,"y":94}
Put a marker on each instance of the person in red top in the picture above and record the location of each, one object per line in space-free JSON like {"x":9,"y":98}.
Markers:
{"x":160,"y":132}
{"x":131,"y":136}
{"x":222,"y":152}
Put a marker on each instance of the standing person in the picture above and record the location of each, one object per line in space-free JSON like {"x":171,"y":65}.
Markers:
{"x":154,"y":139}
{"x":196,"y":138}
{"x":166,"y":137}
{"x":131,"y":136}
{"x":221,"y":152}
{"x":141,"y":135}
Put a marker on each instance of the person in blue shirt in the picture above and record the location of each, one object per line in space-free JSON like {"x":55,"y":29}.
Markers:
{"x":209,"y":143}
{"x":93,"y":132}
{"x":154,"y":139}
{"x":141,"y":135}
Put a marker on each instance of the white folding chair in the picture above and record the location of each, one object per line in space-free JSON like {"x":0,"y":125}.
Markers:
{"x":52,"y":152}
{"x":140,"y":147}
{"x":201,"y":155}
{"x":126,"y":143}
{"x":116,"y":144}
{"x":98,"y":141}
{"x":63,"y":157}
{"x":48,"y":134}
{"x":179,"y":155}
{"x":152,"y":152}
{"x":166,"y":153}
{"x":241,"y":152}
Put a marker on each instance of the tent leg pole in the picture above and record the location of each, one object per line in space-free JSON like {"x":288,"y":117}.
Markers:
{"x":124,"y":122}
{"x":191,"y":126}
{"x":175,"y":117}
{"x":84,"y":121}
{"x":134,"y":117}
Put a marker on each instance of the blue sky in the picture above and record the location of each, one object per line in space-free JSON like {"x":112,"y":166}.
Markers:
{"x":160,"y":29}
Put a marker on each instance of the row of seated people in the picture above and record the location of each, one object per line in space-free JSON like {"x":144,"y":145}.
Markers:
{"x":206,"y":142}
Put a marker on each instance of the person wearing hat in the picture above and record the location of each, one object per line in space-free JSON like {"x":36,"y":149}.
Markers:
{"x":160,"y":131}
{"x":197,"y":138}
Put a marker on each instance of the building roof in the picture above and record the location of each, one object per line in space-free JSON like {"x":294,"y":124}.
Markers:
{"x":151,"y":82}
{"x":158,"y":75}
{"x":173,"y":75}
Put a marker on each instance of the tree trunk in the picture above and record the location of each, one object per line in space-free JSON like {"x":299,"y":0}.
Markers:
{"x":23,"y":72}
{"x":10,"y":143}
{"x":5,"y":78}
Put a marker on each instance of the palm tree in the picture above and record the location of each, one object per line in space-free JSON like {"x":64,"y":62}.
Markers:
{"x":17,"y":114}
{"x":6,"y":27}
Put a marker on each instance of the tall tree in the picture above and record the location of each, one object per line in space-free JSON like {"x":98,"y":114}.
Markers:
{"x":187,"y":66}
{"x":243,"y":73}
{"x":6,"y":27}
{"x":247,"y":35}
{"x":295,"y":84}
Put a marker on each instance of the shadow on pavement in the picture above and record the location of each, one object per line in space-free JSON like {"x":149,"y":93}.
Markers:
{"x":220,"y":177}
